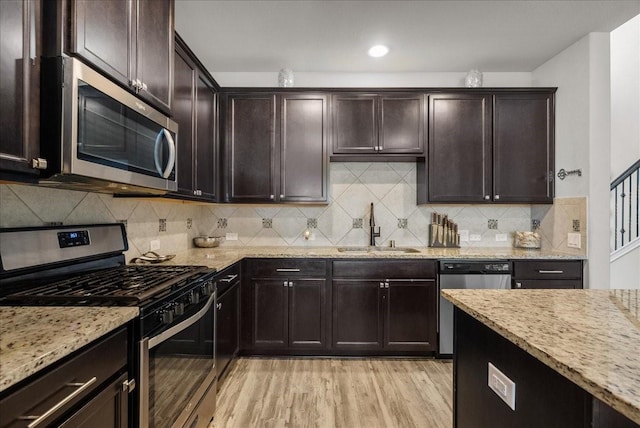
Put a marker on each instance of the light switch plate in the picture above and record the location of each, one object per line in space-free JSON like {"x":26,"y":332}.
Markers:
{"x":501,"y":237}
{"x":231,"y":237}
{"x":574,"y":240}
{"x":475,"y":237}
{"x":464,"y":235}
{"x":504,"y":387}
{"x":154,"y":245}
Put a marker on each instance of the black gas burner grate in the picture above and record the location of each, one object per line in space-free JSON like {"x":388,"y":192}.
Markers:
{"x":124,"y":284}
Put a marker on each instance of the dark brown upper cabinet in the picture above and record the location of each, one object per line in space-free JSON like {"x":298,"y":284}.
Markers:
{"x":460,"y":135}
{"x":129,"y":40}
{"x":276,"y":147}
{"x":195,"y":111}
{"x":20,"y":47}
{"x":523,"y":147}
{"x":489,"y":147}
{"x":378,"y":124}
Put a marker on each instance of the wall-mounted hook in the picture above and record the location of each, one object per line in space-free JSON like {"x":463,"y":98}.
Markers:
{"x":562,"y":173}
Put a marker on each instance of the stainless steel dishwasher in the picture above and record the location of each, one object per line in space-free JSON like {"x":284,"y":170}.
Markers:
{"x":466,"y":274}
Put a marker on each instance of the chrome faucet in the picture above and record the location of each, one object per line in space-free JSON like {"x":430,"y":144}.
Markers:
{"x":372,"y":228}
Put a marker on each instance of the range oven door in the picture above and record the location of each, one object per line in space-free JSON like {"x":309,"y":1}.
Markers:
{"x":178,"y":374}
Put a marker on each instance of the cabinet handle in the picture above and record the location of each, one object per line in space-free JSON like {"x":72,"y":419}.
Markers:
{"x":290,"y":284}
{"x":129,"y":385}
{"x":518,"y":285}
{"x":497,"y":197}
{"x":281,"y":196}
{"x":229,"y":278}
{"x":287,"y":270}
{"x":272,"y":196}
{"x":39,"y":419}
{"x":557,"y":272}
{"x":382,"y":285}
{"x":285,"y":283}
{"x":386,"y":285}
{"x":487,"y":197}
{"x":219,"y":306}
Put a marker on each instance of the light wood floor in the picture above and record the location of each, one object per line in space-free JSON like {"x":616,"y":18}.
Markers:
{"x":314,"y":392}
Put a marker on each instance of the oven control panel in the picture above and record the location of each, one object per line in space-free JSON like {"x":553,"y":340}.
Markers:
{"x":73,"y":238}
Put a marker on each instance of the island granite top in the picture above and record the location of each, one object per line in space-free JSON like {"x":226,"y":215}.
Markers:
{"x":31,"y":338}
{"x":592,"y":337}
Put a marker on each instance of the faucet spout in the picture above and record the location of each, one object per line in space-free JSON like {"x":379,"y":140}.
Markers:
{"x":372,"y":229}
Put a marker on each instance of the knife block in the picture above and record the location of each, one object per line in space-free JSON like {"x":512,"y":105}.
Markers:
{"x":439,"y":237}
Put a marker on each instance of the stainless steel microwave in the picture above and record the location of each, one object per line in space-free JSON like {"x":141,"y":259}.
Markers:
{"x":97,"y":136}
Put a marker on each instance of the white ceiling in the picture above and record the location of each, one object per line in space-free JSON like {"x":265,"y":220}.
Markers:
{"x":423,"y":36}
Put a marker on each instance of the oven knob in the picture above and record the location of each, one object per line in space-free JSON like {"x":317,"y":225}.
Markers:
{"x":194,"y":297}
{"x":178,"y":308}
{"x":205,"y":290}
{"x":166,"y":316}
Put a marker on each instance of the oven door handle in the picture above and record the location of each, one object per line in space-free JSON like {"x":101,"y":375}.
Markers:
{"x":156,"y":340}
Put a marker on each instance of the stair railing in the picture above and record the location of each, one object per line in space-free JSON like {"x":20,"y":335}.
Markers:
{"x":626,"y":200}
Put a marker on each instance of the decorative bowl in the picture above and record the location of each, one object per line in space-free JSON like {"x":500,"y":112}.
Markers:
{"x":207,"y":241}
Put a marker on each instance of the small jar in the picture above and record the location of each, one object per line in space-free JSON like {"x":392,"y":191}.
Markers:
{"x":473,"y":79}
{"x":285,"y":78}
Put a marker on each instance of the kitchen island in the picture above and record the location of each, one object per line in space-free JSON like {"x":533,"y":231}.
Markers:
{"x":574,"y":356}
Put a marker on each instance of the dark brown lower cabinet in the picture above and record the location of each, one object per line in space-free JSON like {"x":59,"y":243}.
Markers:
{"x":227,"y":329}
{"x":544,"y":274}
{"x":288,"y":313}
{"x":544,"y":398}
{"x":92,"y":385}
{"x":374,"y":314}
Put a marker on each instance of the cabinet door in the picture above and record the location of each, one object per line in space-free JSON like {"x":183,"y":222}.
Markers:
{"x":306,"y":313}
{"x":184,"y":115}
{"x":355,"y":127}
{"x":402,"y":123}
{"x":204,"y":160}
{"x":155,"y":38}
{"x":270,"y":313}
{"x":459,"y":148}
{"x":108,"y":409}
{"x":250,"y":148}
{"x":227,"y":328}
{"x":103,"y":33}
{"x":357,"y":314}
{"x":303,"y":148}
{"x":411,"y":315}
{"x":20,"y":48}
{"x":523,"y":147}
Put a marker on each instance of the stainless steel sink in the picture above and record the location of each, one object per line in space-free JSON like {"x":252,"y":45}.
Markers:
{"x":365,"y":250}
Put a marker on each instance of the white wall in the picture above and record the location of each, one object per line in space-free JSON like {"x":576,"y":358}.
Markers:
{"x":337,"y":80}
{"x":625,"y":96}
{"x":581,"y":72}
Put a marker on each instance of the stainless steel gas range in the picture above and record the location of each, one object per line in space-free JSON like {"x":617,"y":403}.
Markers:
{"x":174,"y":336}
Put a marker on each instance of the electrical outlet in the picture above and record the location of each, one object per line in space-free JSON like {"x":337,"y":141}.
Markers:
{"x":501,"y":237}
{"x":504,"y":387}
{"x":231,"y":237}
{"x":475,"y":237}
{"x":574,"y":240}
{"x":154,"y":245}
{"x":464,"y":235}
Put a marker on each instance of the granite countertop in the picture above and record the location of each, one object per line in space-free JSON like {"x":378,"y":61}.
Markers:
{"x":31,"y":338}
{"x":592,"y":337}
{"x":223,"y":256}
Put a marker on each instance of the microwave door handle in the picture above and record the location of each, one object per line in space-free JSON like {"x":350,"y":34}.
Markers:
{"x":172,"y":153}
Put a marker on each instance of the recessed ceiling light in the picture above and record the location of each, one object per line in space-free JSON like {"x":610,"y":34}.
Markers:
{"x":378,"y":50}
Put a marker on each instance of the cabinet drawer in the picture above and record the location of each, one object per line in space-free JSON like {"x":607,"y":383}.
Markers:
{"x":77,"y":378}
{"x":269,"y":268}
{"x":546,"y":269}
{"x":377,"y":269}
{"x":546,"y":283}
